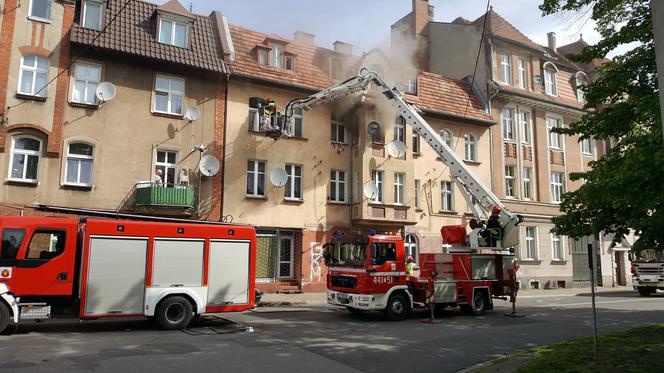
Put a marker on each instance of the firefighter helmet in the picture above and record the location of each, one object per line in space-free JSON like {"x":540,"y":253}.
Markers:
{"x":410,"y":259}
{"x":496,"y":209}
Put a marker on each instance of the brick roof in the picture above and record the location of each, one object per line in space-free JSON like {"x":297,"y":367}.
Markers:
{"x":576,"y":48}
{"x":444,"y":95}
{"x":498,"y":26}
{"x":134,"y":32}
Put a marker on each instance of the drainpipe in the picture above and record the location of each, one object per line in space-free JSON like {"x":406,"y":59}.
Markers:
{"x":223,"y":150}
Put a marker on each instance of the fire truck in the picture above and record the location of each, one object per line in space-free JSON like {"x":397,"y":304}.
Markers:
{"x":83,"y":268}
{"x":369,"y":273}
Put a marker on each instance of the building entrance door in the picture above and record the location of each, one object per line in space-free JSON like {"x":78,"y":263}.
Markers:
{"x":620,"y":268}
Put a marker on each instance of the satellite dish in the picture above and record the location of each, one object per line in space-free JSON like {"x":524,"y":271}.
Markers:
{"x":370,"y":190}
{"x":209,"y":165}
{"x":105,"y":91}
{"x":373,"y":128}
{"x":278,"y":177}
{"x":396,"y":149}
{"x":192,"y":113}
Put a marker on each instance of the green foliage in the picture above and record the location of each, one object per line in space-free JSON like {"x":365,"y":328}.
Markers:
{"x":624,"y":189}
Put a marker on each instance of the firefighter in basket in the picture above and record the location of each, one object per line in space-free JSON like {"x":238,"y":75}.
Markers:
{"x":494,"y":227}
{"x":268,"y":116}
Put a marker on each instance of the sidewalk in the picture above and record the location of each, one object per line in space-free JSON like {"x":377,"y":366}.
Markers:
{"x":318,"y":299}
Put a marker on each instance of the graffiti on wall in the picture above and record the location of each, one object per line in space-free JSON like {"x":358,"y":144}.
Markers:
{"x":316,"y":261}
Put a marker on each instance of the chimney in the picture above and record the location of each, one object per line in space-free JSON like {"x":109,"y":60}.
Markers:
{"x":422,"y":15}
{"x":305,"y":37}
{"x":552,"y":41}
{"x":341,"y":47}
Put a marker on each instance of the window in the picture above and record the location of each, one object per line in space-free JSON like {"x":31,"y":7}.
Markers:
{"x":526,"y":133}
{"x":507,"y":117}
{"x":338,"y":131}
{"x":557,"y":186}
{"x":169,"y":95}
{"x":11,"y":242}
{"x":588,"y":146}
{"x":523,"y":74}
{"x":446,"y":136}
{"x":25,"y":155}
{"x":531,"y":244}
{"x":33,"y":77}
{"x":167,"y":163}
{"x":410,"y":245}
{"x":382,"y":253}
{"x":298,"y":123}
{"x":86,"y":79}
{"x":256,"y":178}
{"x":506,"y":69}
{"x":447,"y":196}
{"x":510,"y":182}
{"x":417,"y":193}
{"x":410,"y":86}
{"x":46,"y":245}
{"x":400,"y":130}
{"x":399,"y":180}
{"x":294,"y":182}
{"x":337,"y":186}
{"x":555,"y":139}
{"x":252,"y":119}
{"x":550,"y":85}
{"x":527,"y":183}
{"x":470,"y":147}
{"x":276,"y":55}
{"x":263,"y":56}
{"x":290,"y":63}
{"x":581,"y":82}
{"x":92,"y":13}
{"x":416,"y":142}
{"x":557,"y":249}
{"x":377,"y":178}
{"x":40,"y":9}
{"x":173,"y":32}
{"x":78,"y":169}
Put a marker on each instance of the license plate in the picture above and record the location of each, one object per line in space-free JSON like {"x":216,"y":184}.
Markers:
{"x":342,"y":298}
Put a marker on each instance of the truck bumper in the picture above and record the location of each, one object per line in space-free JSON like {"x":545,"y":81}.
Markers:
{"x":648,"y":281}
{"x":358,"y":301}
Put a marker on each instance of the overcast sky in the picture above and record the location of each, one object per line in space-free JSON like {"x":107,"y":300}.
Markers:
{"x":366,"y":23}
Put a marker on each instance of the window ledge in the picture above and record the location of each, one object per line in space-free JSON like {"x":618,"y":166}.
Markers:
{"x":86,"y":188}
{"x":417,"y":154}
{"x":24,"y":96}
{"x":259,"y":133}
{"x":474,"y":163}
{"x":394,"y":206}
{"x":338,"y":203}
{"x":28,"y":183}
{"x":84,"y":105}
{"x":39,"y":19}
{"x":445,"y":212}
{"x":559,"y":262}
{"x":509,"y":141}
{"x":297,"y":201}
{"x":167,"y":115}
{"x":249,"y":196}
{"x":530,"y":261}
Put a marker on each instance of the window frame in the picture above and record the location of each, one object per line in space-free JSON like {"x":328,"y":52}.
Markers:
{"x":510,"y":181}
{"x":378,"y":178}
{"x":447,"y":136}
{"x":399,"y":188}
{"x":506,"y":69}
{"x":470,"y":146}
{"x":336,"y":123}
{"x":298,"y":114}
{"x":447,"y":195}
{"x":50,"y":231}
{"x":535,"y":241}
{"x":79,"y":157}
{"x":87,"y":82}
{"x":337,"y":185}
{"x":590,"y":149}
{"x":507,"y":122}
{"x":526,"y":126}
{"x":263,"y":52}
{"x":256,"y":178}
{"x":550,"y":79}
{"x":561,"y":243}
{"x":174,"y":23}
{"x":527,"y":183}
{"x":13,"y":151}
{"x":101,"y":14}
{"x":43,"y":92}
{"x":411,"y":247}
{"x":167,"y":165}
{"x":169,"y":94}
{"x":523,"y":73}
{"x":416,"y":142}
{"x":37,"y":18}
{"x":290,"y":195}
{"x":276,"y":60}
{"x":557,"y":186}
{"x":400,"y":129}
{"x":418,"y":186}
{"x":580,"y":79}
{"x":559,"y":140}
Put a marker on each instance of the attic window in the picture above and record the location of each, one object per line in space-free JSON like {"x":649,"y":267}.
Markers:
{"x":173,"y":32}
{"x":92,"y":14}
{"x":276,"y":55}
{"x":290,"y":62}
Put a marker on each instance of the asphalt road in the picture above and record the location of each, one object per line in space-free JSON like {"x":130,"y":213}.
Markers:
{"x":318,"y":339}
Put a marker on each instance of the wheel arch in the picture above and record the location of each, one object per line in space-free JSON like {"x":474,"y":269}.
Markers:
{"x":196,"y":302}
{"x":8,"y":299}
{"x":483,"y":289}
{"x":400,"y":290}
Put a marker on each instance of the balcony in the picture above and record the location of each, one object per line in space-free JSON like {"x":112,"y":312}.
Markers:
{"x":164,"y":200}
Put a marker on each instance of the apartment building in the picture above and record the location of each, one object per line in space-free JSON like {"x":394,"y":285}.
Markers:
{"x":531,"y":89}
{"x":61,"y":146}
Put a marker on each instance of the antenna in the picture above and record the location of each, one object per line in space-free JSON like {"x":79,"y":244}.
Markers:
{"x":105,"y":91}
{"x":209,"y":165}
{"x":192,"y":114}
{"x":278,"y":177}
{"x":396,"y":149}
{"x":370,"y":190}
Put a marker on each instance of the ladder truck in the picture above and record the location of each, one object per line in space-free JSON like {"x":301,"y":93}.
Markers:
{"x":370,"y":273}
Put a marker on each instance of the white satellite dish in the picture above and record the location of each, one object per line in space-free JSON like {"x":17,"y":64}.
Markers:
{"x":209,"y":165}
{"x":105,"y":91}
{"x":192,"y":113}
{"x":278,"y":176}
{"x":370,"y":190}
{"x":396,"y":149}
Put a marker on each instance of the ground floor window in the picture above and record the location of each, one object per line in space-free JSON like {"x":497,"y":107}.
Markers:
{"x":275,"y":254}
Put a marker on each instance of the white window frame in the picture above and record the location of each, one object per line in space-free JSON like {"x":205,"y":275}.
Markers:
{"x":100,"y":3}
{"x":399,"y":191}
{"x":37,"y":18}
{"x":510,"y":182}
{"x":506,"y":69}
{"x":338,"y":126}
{"x":169,"y":94}
{"x":588,"y":147}
{"x":26,"y":153}
{"x":167,"y":165}
{"x":523,"y":73}
{"x":527,"y":183}
{"x":400,"y":129}
{"x":79,"y":157}
{"x":253,"y":120}
{"x":417,"y":193}
{"x":557,"y":186}
{"x":416,"y":142}
{"x":447,"y":137}
{"x":174,"y":24}
{"x":507,"y":120}
{"x":276,"y":55}
{"x":337,"y":185}
{"x":298,"y":117}
{"x":580,"y":80}
{"x":35,"y":70}
{"x":87,"y":83}
{"x":561,"y":242}
{"x":378,"y":177}
{"x":534,"y":241}
{"x":550,"y":79}
{"x":447,"y":196}
{"x":257,"y":175}
{"x":411,"y":246}
{"x":263,"y":57}
{"x":556,"y":140}
{"x":293,"y":180}
{"x":525,"y":122}
{"x":410,"y":86}
{"x":470,"y":147}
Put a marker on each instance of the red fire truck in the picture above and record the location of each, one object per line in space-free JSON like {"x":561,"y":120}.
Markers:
{"x":94,"y":268}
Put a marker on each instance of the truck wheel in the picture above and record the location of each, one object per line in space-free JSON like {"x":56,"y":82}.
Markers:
{"x":644,"y":291}
{"x":174,"y":313}
{"x":479,"y":305}
{"x":397,"y":308}
{"x":354,"y":311}
{"x":5,"y":319}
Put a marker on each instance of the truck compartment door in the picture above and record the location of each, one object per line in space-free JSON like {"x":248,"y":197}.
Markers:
{"x":228,"y":281}
{"x":177,"y":263}
{"x":116,"y":276}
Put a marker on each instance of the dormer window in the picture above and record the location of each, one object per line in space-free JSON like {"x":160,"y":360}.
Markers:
{"x":550,"y":84}
{"x":581,"y":81}
{"x":263,"y":56}
{"x":92,"y":14}
{"x":173,"y":32}
{"x":290,"y":62}
{"x":276,"y":55}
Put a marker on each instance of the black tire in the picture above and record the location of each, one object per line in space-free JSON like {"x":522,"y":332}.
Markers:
{"x":397,"y":307}
{"x":354,"y":311}
{"x":5,"y":319}
{"x":174,"y":313}
{"x":645,"y":291}
{"x":480,"y":304}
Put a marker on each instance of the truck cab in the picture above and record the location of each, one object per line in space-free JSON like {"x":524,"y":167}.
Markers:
{"x":648,"y":271}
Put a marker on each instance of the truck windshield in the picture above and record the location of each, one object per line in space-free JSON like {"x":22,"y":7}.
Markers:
{"x":348,"y":254}
{"x":648,"y":256}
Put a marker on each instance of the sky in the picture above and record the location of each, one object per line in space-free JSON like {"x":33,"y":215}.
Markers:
{"x":366,"y":23}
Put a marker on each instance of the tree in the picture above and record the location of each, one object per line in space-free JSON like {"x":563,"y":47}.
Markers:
{"x":624,"y":190}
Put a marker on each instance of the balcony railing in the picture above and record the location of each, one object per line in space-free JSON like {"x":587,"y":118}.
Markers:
{"x":164,"y":199}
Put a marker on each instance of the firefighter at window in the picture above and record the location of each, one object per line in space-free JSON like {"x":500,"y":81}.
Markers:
{"x":410,"y":266}
{"x":268,"y":115}
{"x":494,"y":227}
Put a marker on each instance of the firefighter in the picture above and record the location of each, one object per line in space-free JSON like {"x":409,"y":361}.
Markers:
{"x":494,"y":227}
{"x":410,"y":264}
{"x":269,"y":115}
